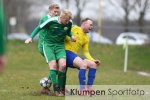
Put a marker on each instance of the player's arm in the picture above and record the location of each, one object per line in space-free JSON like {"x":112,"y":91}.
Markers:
{"x":69,"y":33}
{"x":48,"y":21}
{"x":85,"y":48}
{"x":38,"y":28}
{"x":33,"y":34}
{"x":41,"y":25}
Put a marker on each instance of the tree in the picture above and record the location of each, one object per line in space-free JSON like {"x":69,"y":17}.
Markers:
{"x":79,"y":5}
{"x":142,"y":9}
{"x":18,"y":9}
{"x":127,"y":6}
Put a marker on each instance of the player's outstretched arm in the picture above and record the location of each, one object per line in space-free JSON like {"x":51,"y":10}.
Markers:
{"x":33,"y":34}
{"x":35,"y":31}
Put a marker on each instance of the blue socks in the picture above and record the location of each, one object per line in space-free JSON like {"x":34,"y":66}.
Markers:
{"x":82,"y":78}
{"x":91,"y":76}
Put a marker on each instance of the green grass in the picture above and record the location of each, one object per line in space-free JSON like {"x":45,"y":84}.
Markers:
{"x":25,"y":67}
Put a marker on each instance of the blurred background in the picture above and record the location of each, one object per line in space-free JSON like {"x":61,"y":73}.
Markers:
{"x":111,"y":17}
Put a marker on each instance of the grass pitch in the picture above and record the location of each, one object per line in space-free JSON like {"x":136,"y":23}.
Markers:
{"x":25,"y":67}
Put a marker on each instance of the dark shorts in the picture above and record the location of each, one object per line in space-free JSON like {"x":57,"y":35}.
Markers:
{"x":70,"y":56}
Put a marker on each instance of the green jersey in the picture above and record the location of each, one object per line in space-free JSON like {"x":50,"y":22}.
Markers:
{"x":2,"y":29}
{"x":56,"y":32}
{"x":42,"y":32}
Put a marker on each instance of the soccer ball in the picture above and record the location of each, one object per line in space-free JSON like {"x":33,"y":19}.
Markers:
{"x":45,"y":82}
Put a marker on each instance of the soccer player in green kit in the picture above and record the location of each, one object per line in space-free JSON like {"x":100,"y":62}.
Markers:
{"x":54,"y":10}
{"x":53,"y":46}
{"x":2,"y":37}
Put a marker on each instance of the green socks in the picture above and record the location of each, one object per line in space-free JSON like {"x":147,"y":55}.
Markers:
{"x":53,"y":76}
{"x":61,"y":79}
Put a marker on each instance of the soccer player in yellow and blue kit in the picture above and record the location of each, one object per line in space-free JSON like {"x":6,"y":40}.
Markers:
{"x":73,"y":60}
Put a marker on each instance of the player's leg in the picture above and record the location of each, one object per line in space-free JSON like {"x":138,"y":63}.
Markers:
{"x":78,"y":62}
{"x":61,"y":57}
{"x":40,"y":50}
{"x":91,"y":73}
{"x":53,"y":76}
{"x":73,"y":60}
{"x":53,"y":71}
{"x":62,"y":73}
{"x":51,"y":60}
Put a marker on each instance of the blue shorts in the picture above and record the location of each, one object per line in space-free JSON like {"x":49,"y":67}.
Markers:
{"x":70,"y":56}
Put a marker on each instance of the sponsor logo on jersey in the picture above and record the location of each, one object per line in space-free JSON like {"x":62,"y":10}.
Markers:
{"x":65,"y":28}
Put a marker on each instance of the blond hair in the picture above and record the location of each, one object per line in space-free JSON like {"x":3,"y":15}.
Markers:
{"x":66,"y":13}
{"x":54,"y":6}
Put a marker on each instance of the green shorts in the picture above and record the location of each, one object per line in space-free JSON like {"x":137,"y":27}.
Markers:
{"x":40,"y":46}
{"x":54,"y":51}
{"x":40,"y":50}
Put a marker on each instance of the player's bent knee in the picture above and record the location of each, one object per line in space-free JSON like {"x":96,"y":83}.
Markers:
{"x":53,"y":65}
{"x":92,"y":65}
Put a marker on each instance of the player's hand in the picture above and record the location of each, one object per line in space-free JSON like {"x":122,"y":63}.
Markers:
{"x":73,"y":39}
{"x":98,"y":62}
{"x":29,"y":40}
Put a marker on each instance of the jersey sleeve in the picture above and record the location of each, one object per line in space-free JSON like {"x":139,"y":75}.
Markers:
{"x":45,"y":23}
{"x":41,"y":25}
{"x":69,"y":31}
{"x":2,"y":30}
{"x":41,"y":20}
{"x":48,"y":21}
{"x":85,"y":48}
{"x":37,"y":29}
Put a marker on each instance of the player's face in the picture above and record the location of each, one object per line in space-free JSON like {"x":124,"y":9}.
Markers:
{"x":88,"y":26}
{"x":55,"y":12}
{"x":64,"y":20}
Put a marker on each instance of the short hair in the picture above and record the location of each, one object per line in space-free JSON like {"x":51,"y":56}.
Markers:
{"x":53,"y":5}
{"x":86,"y":19}
{"x":66,"y":13}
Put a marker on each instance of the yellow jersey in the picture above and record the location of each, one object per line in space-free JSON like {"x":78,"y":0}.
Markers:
{"x":82,"y":41}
